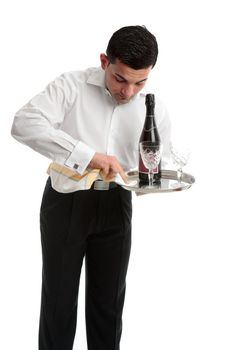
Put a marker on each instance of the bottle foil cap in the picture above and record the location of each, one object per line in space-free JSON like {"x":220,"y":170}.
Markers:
{"x":150,"y":99}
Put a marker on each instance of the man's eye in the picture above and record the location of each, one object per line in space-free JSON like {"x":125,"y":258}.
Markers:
{"x":119,"y":80}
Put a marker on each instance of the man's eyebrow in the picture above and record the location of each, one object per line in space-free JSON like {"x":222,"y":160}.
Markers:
{"x":120,"y":76}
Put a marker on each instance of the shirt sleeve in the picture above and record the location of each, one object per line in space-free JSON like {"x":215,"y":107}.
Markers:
{"x":39,"y":125}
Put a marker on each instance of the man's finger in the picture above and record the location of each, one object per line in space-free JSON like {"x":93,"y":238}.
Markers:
{"x":124,"y":176}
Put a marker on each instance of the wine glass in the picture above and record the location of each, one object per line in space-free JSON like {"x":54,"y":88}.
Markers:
{"x":180,"y":155}
{"x":151,"y":155}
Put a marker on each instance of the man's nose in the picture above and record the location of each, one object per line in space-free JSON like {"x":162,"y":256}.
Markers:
{"x":128,"y":91}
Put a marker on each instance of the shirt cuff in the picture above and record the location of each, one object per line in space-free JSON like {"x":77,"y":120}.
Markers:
{"x":80,"y":157}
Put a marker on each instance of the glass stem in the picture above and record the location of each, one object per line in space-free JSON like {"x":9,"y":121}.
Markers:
{"x":150,"y":175}
{"x":179,"y":174}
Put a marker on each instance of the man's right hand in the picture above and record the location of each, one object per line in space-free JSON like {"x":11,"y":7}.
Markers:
{"x":108,"y":165}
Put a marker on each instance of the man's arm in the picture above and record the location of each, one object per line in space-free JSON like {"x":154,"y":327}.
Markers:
{"x":37,"y":125}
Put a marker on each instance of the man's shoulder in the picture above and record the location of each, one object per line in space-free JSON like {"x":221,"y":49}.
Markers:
{"x":79,"y":76}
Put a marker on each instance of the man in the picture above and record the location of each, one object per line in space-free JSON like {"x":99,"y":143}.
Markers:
{"x":88,"y":120}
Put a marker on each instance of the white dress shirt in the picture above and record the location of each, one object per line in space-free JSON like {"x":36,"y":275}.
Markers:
{"x":75,"y":116}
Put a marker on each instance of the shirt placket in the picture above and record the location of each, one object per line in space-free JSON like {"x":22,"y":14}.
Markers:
{"x":112,"y":130}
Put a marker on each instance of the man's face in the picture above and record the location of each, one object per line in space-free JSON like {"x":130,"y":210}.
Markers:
{"x":123,"y":82}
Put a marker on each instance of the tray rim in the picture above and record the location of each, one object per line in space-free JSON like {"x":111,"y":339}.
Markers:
{"x":187,"y":180}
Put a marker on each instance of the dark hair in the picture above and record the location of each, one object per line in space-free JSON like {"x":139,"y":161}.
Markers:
{"x":134,"y":46}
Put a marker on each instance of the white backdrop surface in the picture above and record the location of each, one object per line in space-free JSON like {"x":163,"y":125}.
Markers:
{"x":179,"y":286}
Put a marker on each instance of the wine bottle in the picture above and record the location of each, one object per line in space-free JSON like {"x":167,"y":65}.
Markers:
{"x":149,"y":133}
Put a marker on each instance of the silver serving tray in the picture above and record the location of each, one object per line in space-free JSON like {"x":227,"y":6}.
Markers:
{"x":169,"y":182}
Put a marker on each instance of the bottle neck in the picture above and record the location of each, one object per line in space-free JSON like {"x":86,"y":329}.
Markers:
{"x":150,"y":111}
{"x":150,"y":132}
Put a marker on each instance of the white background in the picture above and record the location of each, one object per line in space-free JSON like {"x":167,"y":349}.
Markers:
{"x":179,"y":287}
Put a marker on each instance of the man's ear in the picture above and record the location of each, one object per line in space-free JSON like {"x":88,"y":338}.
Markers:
{"x":104,"y":61}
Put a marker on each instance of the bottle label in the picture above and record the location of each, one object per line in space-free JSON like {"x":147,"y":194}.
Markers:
{"x":143,"y":169}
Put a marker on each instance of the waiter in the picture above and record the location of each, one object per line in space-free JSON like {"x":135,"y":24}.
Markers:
{"x":89,"y":123}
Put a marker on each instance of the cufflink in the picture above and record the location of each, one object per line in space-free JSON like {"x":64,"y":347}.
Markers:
{"x":75,"y":166}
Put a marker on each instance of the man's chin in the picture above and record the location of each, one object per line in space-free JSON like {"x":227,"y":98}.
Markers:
{"x":121,"y":100}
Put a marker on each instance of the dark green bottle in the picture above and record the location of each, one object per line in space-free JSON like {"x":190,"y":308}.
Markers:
{"x":149,"y":133}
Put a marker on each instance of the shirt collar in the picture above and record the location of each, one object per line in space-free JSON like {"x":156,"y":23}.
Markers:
{"x":97,"y":77}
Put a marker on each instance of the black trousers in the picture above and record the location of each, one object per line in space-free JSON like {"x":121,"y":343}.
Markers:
{"x":95,"y":225}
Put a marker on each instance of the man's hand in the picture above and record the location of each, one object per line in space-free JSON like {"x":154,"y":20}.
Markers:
{"x":108,"y":165}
